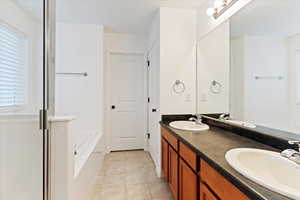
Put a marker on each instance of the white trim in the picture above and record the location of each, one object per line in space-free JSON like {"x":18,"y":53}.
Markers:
{"x":153,"y":43}
{"x":15,"y":108}
{"x":107,"y":94}
{"x":61,"y":118}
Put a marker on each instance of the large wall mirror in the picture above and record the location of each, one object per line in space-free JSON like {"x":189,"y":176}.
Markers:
{"x":265,"y":65}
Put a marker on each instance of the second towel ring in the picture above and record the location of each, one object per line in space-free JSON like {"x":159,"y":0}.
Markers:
{"x":215,"y":87}
{"x":178,"y":87}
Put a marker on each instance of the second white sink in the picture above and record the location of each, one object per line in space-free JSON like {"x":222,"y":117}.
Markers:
{"x":268,"y":169}
{"x":189,"y":126}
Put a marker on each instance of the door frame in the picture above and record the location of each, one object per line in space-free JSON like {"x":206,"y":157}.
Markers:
{"x":156,"y":158}
{"x":108,"y":96}
{"x":49,"y":24}
{"x":148,"y":90}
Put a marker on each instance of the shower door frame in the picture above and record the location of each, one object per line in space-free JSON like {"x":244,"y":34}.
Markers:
{"x":49,"y":21}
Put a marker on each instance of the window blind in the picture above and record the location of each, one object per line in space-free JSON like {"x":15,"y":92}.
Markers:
{"x":12,"y":66}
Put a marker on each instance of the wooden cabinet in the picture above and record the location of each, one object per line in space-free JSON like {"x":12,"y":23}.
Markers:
{"x":187,"y":182}
{"x":165,"y":158}
{"x":173,"y":172}
{"x":206,"y":194}
{"x":170,"y":138}
{"x":219,"y":185}
{"x":188,"y":155}
{"x":180,"y":165}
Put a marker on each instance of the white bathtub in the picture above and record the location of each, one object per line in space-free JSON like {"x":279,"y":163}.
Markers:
{"x":74,"y":175}
{"x":84,"y":149}
{"x":21,"y":154}
{"x":87,"y":166}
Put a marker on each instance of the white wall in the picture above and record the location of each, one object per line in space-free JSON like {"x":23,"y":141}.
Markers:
{"x":213,"y":64}
{"x":124,"y":43}
{"x":174,"y":33}
{"x":21,"y":158}
{"x":264,"y":99}
{"x":237,"y":92}
{"x":18,"y":18}
{"x":119,"y":43}
{"x":80,"y":49}
{"x":153,"y":32}
{"x":264,"y":102}
{"x":293,"y":77}
{"x":206,"y":24}
{"x":177,"y":60}
{"x":2,"y":165}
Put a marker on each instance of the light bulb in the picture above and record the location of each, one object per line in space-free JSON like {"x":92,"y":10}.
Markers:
{"x":219,"y":3}
{"x":210,"y":12}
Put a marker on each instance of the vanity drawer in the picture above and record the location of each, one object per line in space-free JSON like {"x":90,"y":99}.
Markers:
{"x":172,"y":140}
{"x":220,"y":186}
{"x":206,"y":194}
{"x":188,"y":155}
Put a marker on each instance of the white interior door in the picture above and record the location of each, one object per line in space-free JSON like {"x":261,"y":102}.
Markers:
{"x":153,"y":111}
{"x":128,"y":101}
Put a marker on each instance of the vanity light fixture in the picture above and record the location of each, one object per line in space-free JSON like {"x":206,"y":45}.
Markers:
{"x":220,"y":6}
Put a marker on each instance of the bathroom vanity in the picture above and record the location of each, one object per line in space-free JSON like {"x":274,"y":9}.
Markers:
{"x":195,"y":167}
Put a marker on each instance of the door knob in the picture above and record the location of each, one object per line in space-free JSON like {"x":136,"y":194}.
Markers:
{"x":113,"y":107}
{"x":153,"y":110}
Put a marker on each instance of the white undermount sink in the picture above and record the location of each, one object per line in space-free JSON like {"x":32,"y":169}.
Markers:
{"x":241,"y":123}
{"x":268,"y":169}
{"x":189,"y":126}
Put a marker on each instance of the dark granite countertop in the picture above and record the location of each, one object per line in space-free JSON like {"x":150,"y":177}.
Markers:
{"x":212,"y":146}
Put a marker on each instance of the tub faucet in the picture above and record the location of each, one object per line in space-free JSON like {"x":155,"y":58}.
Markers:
{"x":292,"y":154}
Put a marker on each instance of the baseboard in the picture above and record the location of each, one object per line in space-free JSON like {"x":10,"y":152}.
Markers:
{"x":158,"y":170}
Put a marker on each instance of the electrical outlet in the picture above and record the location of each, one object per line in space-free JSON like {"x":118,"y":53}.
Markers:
{"x":203,"y":97}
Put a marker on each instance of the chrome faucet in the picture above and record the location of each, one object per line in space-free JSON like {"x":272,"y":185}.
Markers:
{"x":292,"y":154}
{"x":197,"y":119}
{"x":295,"y":142}
{"x":224,"y":116}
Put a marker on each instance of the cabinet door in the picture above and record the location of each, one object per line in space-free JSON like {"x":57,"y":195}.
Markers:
{"x":187,"y":182}
{"x":205,"y":194}
{"x":165,"y":158}
{"x":219,"y":185}
{"x":173,"y":172}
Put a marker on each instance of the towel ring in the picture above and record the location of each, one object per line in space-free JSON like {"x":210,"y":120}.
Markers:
{"x":215,"y":87}
{"x":178,"y":87}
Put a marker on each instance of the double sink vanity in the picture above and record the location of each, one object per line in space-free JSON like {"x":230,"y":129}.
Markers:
{"x":227,"y":161}
{"x":246,"y":66}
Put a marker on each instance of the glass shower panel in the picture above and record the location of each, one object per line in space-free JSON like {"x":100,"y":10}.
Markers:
{"x":21,"y":98}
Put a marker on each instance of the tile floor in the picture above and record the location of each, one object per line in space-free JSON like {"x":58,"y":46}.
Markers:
{"x":130,"y":175}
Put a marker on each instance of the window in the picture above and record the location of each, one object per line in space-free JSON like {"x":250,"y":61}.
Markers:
{"x":12,"y":67}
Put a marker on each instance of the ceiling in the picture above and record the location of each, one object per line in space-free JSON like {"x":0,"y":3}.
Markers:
{"x":121,"y":16}
{"x":267,"y":17}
